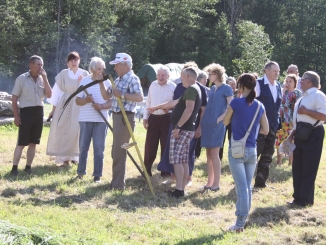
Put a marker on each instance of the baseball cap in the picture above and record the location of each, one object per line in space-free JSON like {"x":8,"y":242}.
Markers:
{"x":120,"y":57}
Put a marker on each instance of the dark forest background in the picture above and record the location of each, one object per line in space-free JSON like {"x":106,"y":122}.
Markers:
{"x":239,"y":34}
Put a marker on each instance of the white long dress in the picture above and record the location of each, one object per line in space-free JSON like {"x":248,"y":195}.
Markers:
{"x":63,"y":141}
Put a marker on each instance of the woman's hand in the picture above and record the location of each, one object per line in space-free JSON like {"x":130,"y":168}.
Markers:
{"x":219,"y":119}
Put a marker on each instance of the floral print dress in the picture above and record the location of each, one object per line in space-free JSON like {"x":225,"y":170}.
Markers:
{"x":286,"y":113}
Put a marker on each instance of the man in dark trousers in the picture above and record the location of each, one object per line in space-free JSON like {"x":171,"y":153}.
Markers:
{"x":311,"y":108}
{"x":268,"y":91}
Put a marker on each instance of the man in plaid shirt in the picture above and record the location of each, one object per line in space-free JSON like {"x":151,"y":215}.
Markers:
{"x":129,"y":90}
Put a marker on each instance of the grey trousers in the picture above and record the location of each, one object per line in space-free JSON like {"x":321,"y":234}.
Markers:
{"x":120,"y":136}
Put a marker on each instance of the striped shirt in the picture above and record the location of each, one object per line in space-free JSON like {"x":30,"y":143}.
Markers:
{"x":130,"y":84}
{"x":87,"y":112}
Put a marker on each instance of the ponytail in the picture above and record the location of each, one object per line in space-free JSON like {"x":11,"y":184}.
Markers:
{"x":251,"y":96}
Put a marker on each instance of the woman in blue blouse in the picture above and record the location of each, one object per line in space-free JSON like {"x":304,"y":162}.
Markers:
{"x":241,"y":113}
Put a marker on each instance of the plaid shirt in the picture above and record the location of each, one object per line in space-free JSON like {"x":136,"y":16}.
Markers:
{"x":130,"y":84}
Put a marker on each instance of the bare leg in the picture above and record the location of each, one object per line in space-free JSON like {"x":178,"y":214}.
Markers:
{"x":185,"y":175}
{"x":179,"y":175}
{"x":279,"y":157}
{"x":217,"y":166}
{"x":210,"y":169}
{"x":17,"y":154}
{"x":30,"y":154}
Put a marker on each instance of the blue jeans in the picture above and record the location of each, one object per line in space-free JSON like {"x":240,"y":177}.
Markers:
{"x":95,"y":131}
{"x":243,"y":170}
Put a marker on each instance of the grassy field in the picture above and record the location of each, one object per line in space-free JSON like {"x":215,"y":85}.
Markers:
{"x":50,"y":207}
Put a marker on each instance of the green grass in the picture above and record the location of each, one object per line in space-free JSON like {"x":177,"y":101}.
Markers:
{"x":50,"y":204}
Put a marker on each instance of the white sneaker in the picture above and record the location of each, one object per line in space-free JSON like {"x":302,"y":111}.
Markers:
{"x":189,"y":183}
{"x":233,"y":228}
{"x":168,"y":182}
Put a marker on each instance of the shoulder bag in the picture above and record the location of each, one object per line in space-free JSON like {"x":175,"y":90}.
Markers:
{"x":238,"y":146}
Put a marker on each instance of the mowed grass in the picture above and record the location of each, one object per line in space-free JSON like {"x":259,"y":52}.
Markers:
{"x":49,"y":202}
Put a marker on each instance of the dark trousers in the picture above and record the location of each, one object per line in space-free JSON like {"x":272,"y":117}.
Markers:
{"x":158,"y":129}
{"x":265,"y":150}
{"x":306,"y":158}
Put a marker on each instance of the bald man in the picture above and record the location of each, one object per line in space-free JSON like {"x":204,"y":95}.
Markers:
{"x":293,"y":69}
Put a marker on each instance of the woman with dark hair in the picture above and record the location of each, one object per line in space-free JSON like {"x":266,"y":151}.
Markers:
{"x":240,"y":114}
{"x":290,"y":95}
{"x":64,"y":134}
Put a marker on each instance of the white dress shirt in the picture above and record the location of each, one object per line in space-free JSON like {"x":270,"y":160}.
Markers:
{"x":313,"y":99}
{"x":158,"y":94}
{"x":273,"y":88}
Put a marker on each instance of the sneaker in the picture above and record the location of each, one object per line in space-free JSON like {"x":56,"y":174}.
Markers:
{"x":189,"y":183}
{"x":176,"y":193}
{"x":14,"y":172}
{"x":233,"y":228}
{"x":97,"y":179}
{"x":168,"y":181}
{"x":205,"y":188}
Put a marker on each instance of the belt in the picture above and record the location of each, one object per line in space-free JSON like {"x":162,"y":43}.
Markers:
{"x":162,"y":115}
{"x":127,"y":112}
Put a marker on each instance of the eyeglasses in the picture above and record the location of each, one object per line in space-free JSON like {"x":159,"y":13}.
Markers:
{"x":304,"y":78}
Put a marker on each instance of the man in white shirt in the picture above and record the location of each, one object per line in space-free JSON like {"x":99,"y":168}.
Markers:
{"x":157,"y":124}
{"x":293,"y":69}
{"x":268,"y":91}
{"x":306,"y":156}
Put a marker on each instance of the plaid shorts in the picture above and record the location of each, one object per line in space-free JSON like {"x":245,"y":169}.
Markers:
{"x":179,"y":148}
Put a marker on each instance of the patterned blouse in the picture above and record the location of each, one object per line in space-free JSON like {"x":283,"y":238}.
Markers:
{"x":287,"y":106}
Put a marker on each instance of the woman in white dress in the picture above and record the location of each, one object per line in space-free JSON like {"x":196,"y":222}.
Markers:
{"x":64,"y":135}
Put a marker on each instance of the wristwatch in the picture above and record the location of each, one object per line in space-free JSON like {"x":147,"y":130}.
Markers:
{"x":177,"y":127}
{"x":123,"y":96}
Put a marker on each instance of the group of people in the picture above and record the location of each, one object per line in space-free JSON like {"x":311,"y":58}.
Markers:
{"x":195,"y":111}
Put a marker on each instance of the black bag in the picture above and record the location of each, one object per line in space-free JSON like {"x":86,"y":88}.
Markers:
{"x":303,"y":130}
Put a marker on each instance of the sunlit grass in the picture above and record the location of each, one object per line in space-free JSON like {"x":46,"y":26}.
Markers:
{"x":82,"y":212}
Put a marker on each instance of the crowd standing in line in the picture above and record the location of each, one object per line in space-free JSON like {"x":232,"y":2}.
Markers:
{"x":193,"y":116}
{"x":66,"y":131}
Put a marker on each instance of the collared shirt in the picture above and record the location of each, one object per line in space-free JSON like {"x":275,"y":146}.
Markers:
{"x":130,"y":84}
{"x":299,"y":84}
{"x":158,"y":94}
{"x":273,"y":88}
{"x":313,"y":99}
{"x":29,"y":92}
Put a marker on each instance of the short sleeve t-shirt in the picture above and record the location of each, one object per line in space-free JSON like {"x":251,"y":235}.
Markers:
{"x":243,"y":113}
{"x":192,"y":93}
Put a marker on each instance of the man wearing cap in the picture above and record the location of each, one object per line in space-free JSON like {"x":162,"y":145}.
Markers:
{"x":129,"y":90}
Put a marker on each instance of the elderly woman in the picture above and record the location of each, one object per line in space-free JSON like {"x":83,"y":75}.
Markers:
{"x":290,"y":96}
{"x":64,"y":134}
{"x":92,"y":126}
{"x":212,"y":126}
{"x":240,"y":114}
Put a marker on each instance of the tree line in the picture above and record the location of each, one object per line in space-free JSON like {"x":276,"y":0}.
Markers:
{"x":239,"y":34}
